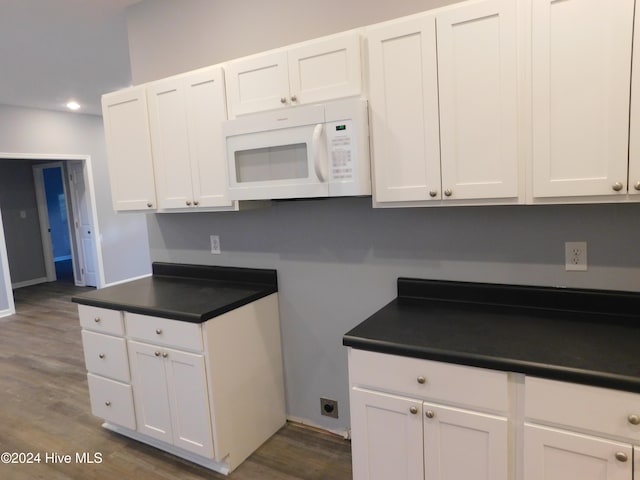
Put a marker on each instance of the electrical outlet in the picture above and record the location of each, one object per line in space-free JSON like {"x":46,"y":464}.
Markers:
{"x":215,"y":244}
{"x":328,"y":407}
{"x":575,"y":256}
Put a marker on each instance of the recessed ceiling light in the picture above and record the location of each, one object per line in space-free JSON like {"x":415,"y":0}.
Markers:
{"x":73,"y":105}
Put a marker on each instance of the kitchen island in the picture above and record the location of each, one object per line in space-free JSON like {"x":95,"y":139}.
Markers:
{"x":188,"y":360}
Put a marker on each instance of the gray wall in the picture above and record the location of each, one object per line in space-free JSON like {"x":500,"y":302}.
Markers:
{"x":22,"y":235}
{"x":124,"y":239}
{"x":338,"y":259}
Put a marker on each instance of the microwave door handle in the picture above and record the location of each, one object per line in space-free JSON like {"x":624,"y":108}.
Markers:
{"x":317,"y":158}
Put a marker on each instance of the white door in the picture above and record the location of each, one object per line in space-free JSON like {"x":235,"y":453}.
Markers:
{"x":325,"y":69}
{"x":170,"y":143}
{"x":551,"y":454}
{"x":189,"y":401}
{"x":386,"y":436}
{"x":150,"y":391}
{"x":477,"y":71}
{"x":129,"y":149}
{"x":257,"y":83}
{"x":83,"y":226}
{"x":581,"y":70}
{"x":403,"y":108}
{"x":459,"y":444}
{"x":206,"y":111}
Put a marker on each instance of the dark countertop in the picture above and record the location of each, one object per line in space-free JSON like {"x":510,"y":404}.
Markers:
{"x":584,"y":336}
{"x":190,"y":293}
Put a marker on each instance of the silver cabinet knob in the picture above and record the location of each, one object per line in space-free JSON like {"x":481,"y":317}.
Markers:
{"x":107,"y":403}
{"x":634,"y":419}
{"x":283,"y":100}
{"x":617,"y":186}
{"x":414,"y":410}
{"x":149,"y":204}
{"x":637,"y":186}
{"x":158,"y":331}
{"x":294,"y":98}
{"x":157,"y":354}
{"x":621,"y":456}
{"x":433,"y":193}
{"x":188,"y":202}
{"x":421,"y":380}
{"x":97,"y":319}
{"x":448,"y":192}
{"x":196,"y":202}
{"x":430,"y":414}
{"x":101,"y":355}
{"x":165,"y":354}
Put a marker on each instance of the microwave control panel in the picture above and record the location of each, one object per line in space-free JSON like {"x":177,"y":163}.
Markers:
{"x":342,"y":150}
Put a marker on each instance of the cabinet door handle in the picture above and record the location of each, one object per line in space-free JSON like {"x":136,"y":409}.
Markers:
{"x":433,"y":193}
{"x":621,"y":456}
{"x":97,"y":319}
{"x":414,"y":410}
{"x":149,"y":204}
{"x":196,"y":203}
{"x":157,"y":354}
{"x":634,"y":419}
{"x":421,"y":380}
{"x":617,"y":186}
{"x":637,"y":186}
{"x":159,"y":331}
{"x":101,"y":355}
{"x":107,"y":403}
{"x":448,"y":192}
{"x":283,"y":100}
{"x":294,"y":98}
{"x":430,"y":414}
{"x":188,"y":202}
{"x":165,"y":354}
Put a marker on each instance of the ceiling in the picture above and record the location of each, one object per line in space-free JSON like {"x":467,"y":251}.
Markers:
{"x":53,"y":51}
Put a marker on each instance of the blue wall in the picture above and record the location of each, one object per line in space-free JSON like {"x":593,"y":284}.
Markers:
{"x":56,"y":204}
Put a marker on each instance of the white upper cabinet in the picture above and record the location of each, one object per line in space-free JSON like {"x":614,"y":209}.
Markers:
{"x":581,"y":62}
{"x":403,"y":107}
{"x":477,"y":73}
{"x":185,"y":116}
{"x":444,"y":119}
{"x":314,"y":71}
{"x":634,"y":131}
{"x":129,"y":149}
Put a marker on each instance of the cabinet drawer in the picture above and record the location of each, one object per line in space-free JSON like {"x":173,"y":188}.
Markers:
{"x":164,"y":331}
{"x":457,"y":384}
{"x":101,"y":319}
{"x":582,"y":407}
{"x":106,"y":355}
{"x":112,"y":401}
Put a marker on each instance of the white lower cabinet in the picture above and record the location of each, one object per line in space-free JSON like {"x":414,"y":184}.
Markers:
{"x":404,"y":432}
{"x":171,"y":396}
{"x":188,"y":388}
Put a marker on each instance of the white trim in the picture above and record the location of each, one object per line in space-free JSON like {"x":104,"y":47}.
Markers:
{"x":7,"y":313}
{"x":6,"y":275}
{"x":28,"y":283}
{"x":342,"y":432}
{"x":43,"y":217}
{"x":126,"y":280}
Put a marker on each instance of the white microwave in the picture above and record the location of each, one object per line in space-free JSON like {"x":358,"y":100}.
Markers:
{"x":306,"y":151}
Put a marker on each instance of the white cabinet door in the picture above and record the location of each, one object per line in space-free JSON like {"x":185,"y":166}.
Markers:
{"x":170,"y":141}
{"x":386,"y":436}
{"x":189,"y":401}
{"x":462,"y":444}
{"x":581,"y":61}
{"x":206,"y":111}
{"x":257,"y":83}
{"x":150,"y":391}
{"x":634,"y":130}
{"x":325,"y":69}
{"x":128,"y":142}
{"x":552,"y":454}
{"x":403,"y":106}
{"x":477,"y":71}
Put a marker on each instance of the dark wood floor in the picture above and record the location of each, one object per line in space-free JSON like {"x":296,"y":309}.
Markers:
{"x":44,"y":408}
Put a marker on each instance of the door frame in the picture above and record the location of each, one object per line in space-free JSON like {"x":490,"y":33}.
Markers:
{"x":88,"y":175}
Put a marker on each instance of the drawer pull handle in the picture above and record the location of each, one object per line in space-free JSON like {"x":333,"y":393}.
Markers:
{"x":421,"y":380}
{"x":158,"y":331}
{"x":634,"y":419}
{"x":430,"y":414}
{"x":107,"y":403}
{"x":101,"y":355}
{"x":621,"y":456}
{"x":165,"y":354}
{"x":157,"y":354}
{"x":413,"y":410}
{"x":97,"y":319}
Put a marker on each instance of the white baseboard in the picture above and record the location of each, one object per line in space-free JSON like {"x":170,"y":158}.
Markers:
{"x":28,"y":283}
{"x":126,"y":280}
{"x":7,"y":313}
{"x":342,"y":432}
